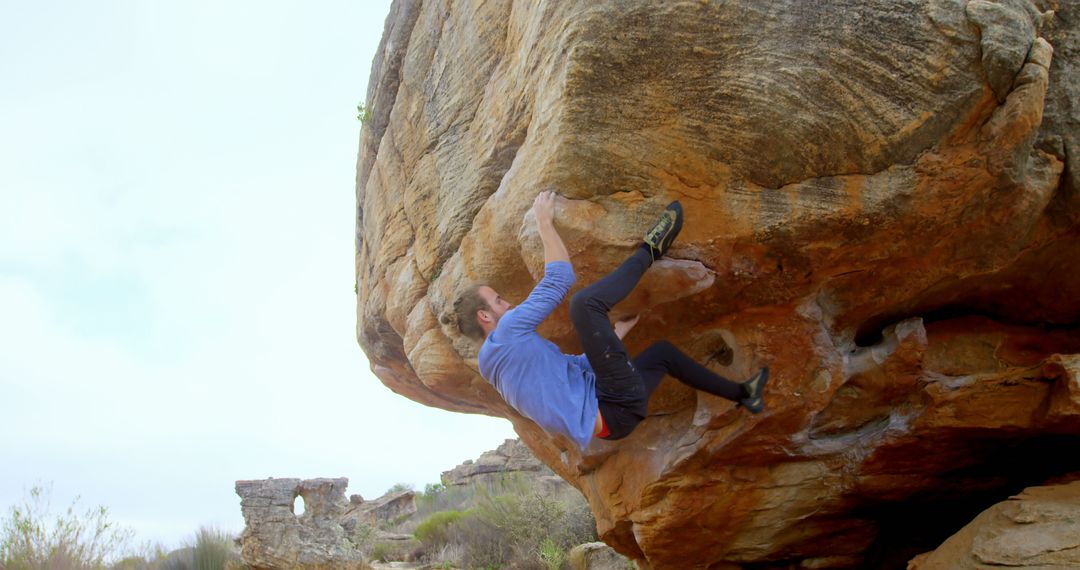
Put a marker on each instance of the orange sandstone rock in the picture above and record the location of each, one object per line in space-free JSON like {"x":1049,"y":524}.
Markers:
{"x":881,"y":205}
{"x":1039,"y":528}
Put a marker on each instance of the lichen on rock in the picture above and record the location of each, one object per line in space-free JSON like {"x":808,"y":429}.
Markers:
{"x":881,"y":205}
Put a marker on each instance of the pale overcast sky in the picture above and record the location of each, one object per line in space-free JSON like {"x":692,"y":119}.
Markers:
{"x":176,"y":250}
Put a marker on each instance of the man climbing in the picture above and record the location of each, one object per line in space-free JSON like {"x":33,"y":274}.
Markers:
{"x":602,"y":392}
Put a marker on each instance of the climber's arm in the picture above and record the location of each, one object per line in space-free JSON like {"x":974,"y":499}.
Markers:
{"x":545,"y":296}
{"x":544,"y":209}
{"x":557,"y":280}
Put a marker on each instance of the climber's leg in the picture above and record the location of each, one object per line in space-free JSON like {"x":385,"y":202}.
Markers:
{"x":663,"y":233}
{"x":755,"y":389}
{"x":618,"y":384}
{"x":598,"y":299}
{"x":615,"y":286}
{"x":620,"y":419}
{"x":663,"y":358}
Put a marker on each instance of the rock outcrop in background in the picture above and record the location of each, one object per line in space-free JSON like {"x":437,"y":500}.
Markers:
{"x":326,"y":531}
{"x":1031,"y":531}
{"x":326,"y":535}
{"x":511,"y":459}
{"x":276,"y":537}
{"x":882,"y":205}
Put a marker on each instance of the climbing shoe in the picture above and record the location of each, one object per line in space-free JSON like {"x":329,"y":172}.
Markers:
{"x":660,"y":237}
{"x":754,"y":389}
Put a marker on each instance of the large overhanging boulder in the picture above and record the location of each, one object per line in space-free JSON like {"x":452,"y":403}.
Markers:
{"x":882,"y":205}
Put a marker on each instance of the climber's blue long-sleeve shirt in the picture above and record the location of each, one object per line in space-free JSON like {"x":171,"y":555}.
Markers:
{"x":555,"y":390}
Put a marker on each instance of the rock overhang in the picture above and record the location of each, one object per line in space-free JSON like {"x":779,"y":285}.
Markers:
{"x":852,"y":173}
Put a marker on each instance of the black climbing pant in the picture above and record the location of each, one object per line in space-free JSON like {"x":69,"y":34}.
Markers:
{"x":623,"y":386}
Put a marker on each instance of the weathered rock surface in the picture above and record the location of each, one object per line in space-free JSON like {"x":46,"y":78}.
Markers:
{"x":1037,"y":529}
{"x":882,"y":205}
{"x":275,"y":538}
{"x":597,"y":556}
{"x":325,"y":536}
{"x":384,"y":509}
{"x":512,"y":457}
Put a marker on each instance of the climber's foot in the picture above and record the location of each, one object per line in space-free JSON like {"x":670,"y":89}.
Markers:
{"x":660,"y":237}
{"x":754,"y":390}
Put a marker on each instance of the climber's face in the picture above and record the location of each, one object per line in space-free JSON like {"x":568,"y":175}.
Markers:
{"x":497,"y":307}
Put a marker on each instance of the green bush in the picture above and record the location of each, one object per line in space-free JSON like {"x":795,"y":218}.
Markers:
{"x":33,"y":538}
{"x":441,"y":497}
{"x":578,"y":525}
{"x":430,"y":493}
{"x":433,"y":531}
{"x":551,"y":554}
{"x":482,"y":544}
{"x":379,"y":551}
{"x":528,"y":520}
{"x":390,"y":552}
{"x":502,"y":522}
{"x":524,"y":530}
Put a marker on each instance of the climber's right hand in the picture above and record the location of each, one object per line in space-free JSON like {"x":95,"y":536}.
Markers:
{"x":544,"y":207}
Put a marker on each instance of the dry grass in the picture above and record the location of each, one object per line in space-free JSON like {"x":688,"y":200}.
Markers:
{"x":33,"y":537}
